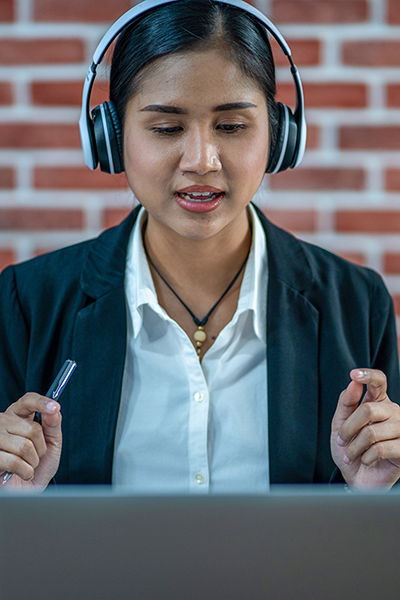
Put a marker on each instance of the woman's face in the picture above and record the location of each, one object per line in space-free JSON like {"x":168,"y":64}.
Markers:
{"x":195,"y":144}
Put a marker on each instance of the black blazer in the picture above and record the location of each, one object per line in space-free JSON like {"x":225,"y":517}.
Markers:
{"x":325,"y":316}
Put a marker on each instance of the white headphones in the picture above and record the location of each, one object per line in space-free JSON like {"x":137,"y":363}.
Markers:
{"x":100,"y":130}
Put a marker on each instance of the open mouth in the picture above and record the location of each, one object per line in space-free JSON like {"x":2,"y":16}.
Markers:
{"x":199,"y":202}
{"x":199,"y":196}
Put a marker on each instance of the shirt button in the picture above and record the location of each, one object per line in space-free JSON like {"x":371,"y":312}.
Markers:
{"x":199,"y":477}
{"x":199,"y":396}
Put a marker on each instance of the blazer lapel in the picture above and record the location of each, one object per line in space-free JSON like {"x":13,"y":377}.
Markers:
{"x":292,"y":360}
{"x":99,"y":345}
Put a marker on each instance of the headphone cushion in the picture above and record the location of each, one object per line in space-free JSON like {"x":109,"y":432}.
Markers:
{"x":118,"y":135}
{"x":108,"y":138}
{"x":284,"y":150}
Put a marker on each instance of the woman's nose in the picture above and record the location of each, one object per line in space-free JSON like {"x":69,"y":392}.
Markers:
{"x":200,"y":154}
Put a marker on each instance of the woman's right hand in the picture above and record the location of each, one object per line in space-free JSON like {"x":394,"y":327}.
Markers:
{"x":27,"y":449}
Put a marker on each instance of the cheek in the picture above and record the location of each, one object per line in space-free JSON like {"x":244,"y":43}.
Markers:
{"x":136,"y":155}
{"x":142,"y":156}
{"x":252,"y":157}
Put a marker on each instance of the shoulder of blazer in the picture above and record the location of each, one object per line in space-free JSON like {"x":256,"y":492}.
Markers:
{"x":301,"y":264}
{"x":95,"y":266}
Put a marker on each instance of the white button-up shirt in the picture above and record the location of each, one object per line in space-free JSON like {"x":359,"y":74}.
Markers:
{"x":186,"y":426}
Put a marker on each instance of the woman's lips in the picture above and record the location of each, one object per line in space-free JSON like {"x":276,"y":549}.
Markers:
{"x":200,"y":199}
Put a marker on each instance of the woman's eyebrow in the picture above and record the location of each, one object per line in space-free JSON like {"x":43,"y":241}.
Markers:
{"x":176,"y":110}
{"x":234,"y":106}
{"x":162,"y":108}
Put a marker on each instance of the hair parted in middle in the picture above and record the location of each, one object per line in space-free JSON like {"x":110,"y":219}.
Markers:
{"x":186,"y":26}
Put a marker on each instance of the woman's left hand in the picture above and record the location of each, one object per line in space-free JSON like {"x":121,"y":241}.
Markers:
{"x":365,"y":439}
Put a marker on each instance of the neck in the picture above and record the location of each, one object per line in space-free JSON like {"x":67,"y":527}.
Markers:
{"x":211,"y":262}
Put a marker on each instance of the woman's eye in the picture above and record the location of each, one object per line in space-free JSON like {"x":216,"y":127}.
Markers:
{"x":166,"y":130}
{"x":233,"y":128}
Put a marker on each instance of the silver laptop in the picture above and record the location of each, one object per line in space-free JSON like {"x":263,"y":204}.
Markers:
{"x":296,"y":543}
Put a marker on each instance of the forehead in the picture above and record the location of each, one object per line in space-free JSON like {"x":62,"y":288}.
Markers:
{"x":211,"y":73}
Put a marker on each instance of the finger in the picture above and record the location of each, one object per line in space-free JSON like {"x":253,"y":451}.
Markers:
{"x":24,"y":447}
{"x":26,"y":406}
{"x":385,"y":450}
{"x":12,"y":463}
{"x":374,"y":380}
{"x":370,"y":435}
{"x":12,"y":428}
{"x":368,"y":413}
{"x":347,"y":404}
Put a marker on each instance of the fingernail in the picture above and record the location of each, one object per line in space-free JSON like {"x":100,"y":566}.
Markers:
{"x":340,"y":442}
{"x":346,"y":460}
{"x":51,"y":406}
{"x":361,"y":374}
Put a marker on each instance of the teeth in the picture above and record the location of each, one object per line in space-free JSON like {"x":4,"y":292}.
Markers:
{"x":198,"y":196}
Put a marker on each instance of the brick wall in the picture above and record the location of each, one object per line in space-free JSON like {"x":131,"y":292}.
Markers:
{"x":345,"y":196}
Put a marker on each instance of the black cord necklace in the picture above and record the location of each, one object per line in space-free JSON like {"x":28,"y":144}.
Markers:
{"x":199,"y":335}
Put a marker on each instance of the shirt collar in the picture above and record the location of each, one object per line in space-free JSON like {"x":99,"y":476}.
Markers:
{"x":253,"y":291}
{"x":140,"y":288}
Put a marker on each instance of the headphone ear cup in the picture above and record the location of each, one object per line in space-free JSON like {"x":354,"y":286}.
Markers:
{"x":108,"y":138}
{"x":283,"y":152}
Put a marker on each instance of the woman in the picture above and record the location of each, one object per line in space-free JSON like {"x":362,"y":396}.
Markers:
{"x":197,"y":272}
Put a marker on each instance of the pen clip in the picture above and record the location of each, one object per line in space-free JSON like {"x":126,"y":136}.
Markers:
{"x":62,"y":379}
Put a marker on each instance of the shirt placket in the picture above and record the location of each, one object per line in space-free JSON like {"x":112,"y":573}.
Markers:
{"x":199,"y":476}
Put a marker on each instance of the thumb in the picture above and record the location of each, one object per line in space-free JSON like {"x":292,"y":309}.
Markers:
{"x":51,"y":424}
{"x":375,"y":381}
{"x":347,"y":404}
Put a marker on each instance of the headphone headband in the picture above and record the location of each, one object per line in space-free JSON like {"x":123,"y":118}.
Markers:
{"x":86,"y":123}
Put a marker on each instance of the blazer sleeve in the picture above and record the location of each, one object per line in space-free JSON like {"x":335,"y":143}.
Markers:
{"x":383,"y":347}
{"x":14,"y":341}
{"x":383,"y":338}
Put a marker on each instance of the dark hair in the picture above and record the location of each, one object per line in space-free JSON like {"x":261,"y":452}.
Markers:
{"x":190,"y":25}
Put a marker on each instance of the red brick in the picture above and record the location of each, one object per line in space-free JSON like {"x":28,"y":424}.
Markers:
{"x":114,"y":216}
{"x":293,"y":220}
{"x":7,"y":178}
{"x":304,"y":52}
{"x":393,"y":94}
{"x":7,"y":257}
{"x":319,"y":11}
{"x":66,"y":93}
{"x":77,"y":178}
{"x":372,"y":53}
{"x":394,"y":12}
{"x":41,"y":51}
{"x":392,"y":180}
{"x":319,"y":179}
{"x":327,"y":95}
{"x":332,"y":95}
{"x":391,"y":263}
{"x":80,"y":10}
{"x":369,"y":137}
{"x":37,"y":219}
{"x":6,"y":93}
{"x":39,"y":135}
{"x":368,"y":221}
{"x":7,"y":12}
{"x":355,"y":257}
{"x":313,"y":137}
{"x":396,"y":302}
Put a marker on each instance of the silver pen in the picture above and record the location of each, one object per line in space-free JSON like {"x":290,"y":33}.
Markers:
{"x":54,"y":392}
